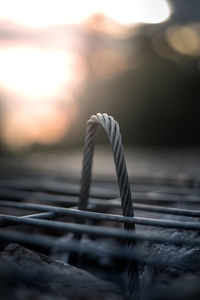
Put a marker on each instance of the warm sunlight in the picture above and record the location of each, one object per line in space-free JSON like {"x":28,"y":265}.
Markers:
{"x":34,"y":122}
{"x":38,"y":86}
{"x":129,"y":12}
{"x":41,"y":13}
{"x":43,"y":69}
{"x":34,"y":72}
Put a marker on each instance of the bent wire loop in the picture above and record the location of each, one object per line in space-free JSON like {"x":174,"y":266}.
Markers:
{"x":112,"y":129}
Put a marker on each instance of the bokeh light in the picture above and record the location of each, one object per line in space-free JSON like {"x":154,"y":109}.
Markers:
{"x":185,"y":39}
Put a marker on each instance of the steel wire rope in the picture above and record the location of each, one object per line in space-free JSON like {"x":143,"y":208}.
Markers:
{"x":113,"y":132}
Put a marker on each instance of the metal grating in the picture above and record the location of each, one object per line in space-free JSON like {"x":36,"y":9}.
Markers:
{"x":47,"y":206}
{"x":52,"y":205}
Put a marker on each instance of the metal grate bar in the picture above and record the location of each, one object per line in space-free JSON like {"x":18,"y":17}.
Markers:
{"x":97,"y":203}
{"x":104,"y":193}
{"x":98,"y":216}
{"x":45,"y":215}
{"x":96,"y":231}
{"x":66,"y":185}
{"x":185,"y":182}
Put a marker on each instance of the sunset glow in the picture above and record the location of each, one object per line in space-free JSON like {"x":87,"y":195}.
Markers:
{"x":34,"y":72}
{"x":38,"y":86}
{"x":44,"y":68}
{"x":42,"y":13}
{"x":39,"y":13}
{"x":35,"y":123}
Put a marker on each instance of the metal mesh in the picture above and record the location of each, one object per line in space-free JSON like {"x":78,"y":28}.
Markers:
{"x":33,"y":202}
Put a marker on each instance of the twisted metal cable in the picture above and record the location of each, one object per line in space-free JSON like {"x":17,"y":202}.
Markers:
{"x":112,"y":129}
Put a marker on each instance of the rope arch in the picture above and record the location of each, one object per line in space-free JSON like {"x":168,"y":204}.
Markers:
{"x":112,"y":129}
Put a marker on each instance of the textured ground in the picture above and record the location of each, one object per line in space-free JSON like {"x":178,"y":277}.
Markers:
{"x":35,"y":276}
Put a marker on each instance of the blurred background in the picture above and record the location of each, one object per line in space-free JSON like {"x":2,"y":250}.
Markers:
{"x":61,"y":61}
